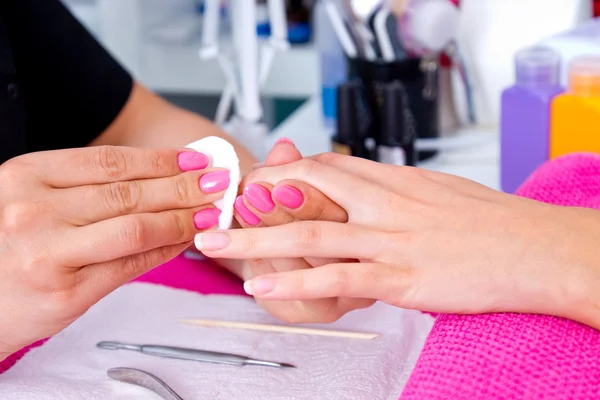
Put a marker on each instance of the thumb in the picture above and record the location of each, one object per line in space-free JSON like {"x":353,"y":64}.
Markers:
{"x":283,"y":152}
{"x":354,"y":280}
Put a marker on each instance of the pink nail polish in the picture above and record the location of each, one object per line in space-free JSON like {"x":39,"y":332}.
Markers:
{"x":192,"y":161}
{"x":247,"y":215}
{"x":259,"y":197}
{"x":207,"y":218}
{"x":214,"y":182}
{"x":284,"y":140}
{"x":288,"y":196}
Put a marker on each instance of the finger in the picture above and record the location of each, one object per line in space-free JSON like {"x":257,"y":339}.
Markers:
{"x":357,"y":280}
{"x":245,"y":217}
{"x":104,"y":164}
{"x":292,"y":201}
{"x":133,"y":234}
{"x":92,"y":203}
{"x":99,"y":280}
{"x":305,"y":203}
{"x":283,"y":152}
{"x":352,"y":193}
{"x":298,"y":239}
{"x":316,"y":311}
{"x":257,"y":201}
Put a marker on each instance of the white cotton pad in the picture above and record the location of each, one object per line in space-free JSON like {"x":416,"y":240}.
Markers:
{"x":222,"y":155}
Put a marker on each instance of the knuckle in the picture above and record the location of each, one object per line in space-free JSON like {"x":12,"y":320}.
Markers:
{"x":181,"y":229}
{"x":183,"y":191}
{"x":10,"y":171}
{"x":17,"y":215}
{"x":340,"y":282}
{"x":133,"y":234}
{"x":123,"y":196}
{"x":131,"y":263}
{"x":159,"y":162}
{"x":320,"y":212}
{"x":310,"y":235}
{"x":308,"y":167}
{"x":248,"y":243}
{"x":110,"y":161}
{"x":411,"y":172}
{"x":260,"y":266}
{"x":33,"y":265}
{"x":328,"y":158}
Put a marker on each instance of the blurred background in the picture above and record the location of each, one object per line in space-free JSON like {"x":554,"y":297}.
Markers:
{"x":415,"y":82}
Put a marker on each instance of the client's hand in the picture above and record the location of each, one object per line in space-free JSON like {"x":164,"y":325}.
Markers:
{"x":259,"y":206}
{"x":426,"y":241}
{"x":76,"y":224}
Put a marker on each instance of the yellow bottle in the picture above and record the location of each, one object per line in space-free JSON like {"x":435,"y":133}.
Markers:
{"x":575,"y":116}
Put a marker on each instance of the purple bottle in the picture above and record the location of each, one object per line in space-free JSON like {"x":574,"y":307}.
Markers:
{"x":525,"y":115}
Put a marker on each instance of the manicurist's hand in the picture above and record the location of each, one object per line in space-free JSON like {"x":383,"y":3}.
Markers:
{"x":76,"y":224}
{"x":426,"y":241}
{"x":261,"y":205}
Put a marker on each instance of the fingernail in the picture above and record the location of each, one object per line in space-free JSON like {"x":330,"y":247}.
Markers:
{"x":259,"y":286}
{"x":214,"y":182}
{"x":288,"y":196}
{"x":192,"y":161}
{"x":284,"y":140}
{"x":247,"y":215}
{"x":211,"y":241}
{"x":259,"y":197}
{"x":207,"y":218}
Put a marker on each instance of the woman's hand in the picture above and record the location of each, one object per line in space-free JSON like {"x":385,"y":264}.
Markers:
{"x":259,"y":206}
{"x":426,"y":241}
{"x":77,"y":224}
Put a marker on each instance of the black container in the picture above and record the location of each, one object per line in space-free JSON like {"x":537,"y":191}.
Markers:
{"x":353,"y":122}
{"x":397,"y":136}
{"x":420,"y":80}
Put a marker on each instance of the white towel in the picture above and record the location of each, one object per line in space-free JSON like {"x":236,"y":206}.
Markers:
{"x":70,"y":367}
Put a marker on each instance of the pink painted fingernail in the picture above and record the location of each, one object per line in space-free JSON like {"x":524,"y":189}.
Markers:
{"x":207,"y":218}
{"x":211,"y":241}
{"x":284,"y":140}
{"x":247,"y":215}
{"x":192,"y":161}
{"x":259,"y":197}
{"x":214,"y":182}
{"x":288,"y":196}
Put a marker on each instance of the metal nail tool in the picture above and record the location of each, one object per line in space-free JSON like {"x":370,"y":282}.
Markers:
{"x":143,"y":379}
{"x":191,"y":354}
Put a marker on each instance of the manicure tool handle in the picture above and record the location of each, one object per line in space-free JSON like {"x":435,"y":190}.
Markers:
{"x":193,"y":355}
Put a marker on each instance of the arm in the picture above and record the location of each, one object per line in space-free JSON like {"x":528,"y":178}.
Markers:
{"x":149,"y":121}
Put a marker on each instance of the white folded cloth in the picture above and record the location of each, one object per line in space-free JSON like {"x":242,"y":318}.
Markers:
{"x":70,"y":367}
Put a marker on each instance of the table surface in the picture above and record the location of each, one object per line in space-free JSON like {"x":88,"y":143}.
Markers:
{"x":480,"y":162}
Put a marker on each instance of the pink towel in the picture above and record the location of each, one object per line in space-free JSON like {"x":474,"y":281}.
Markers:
{"x":509,"y":356}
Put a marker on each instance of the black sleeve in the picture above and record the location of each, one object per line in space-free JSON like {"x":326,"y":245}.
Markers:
{"x":72,"y":88}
